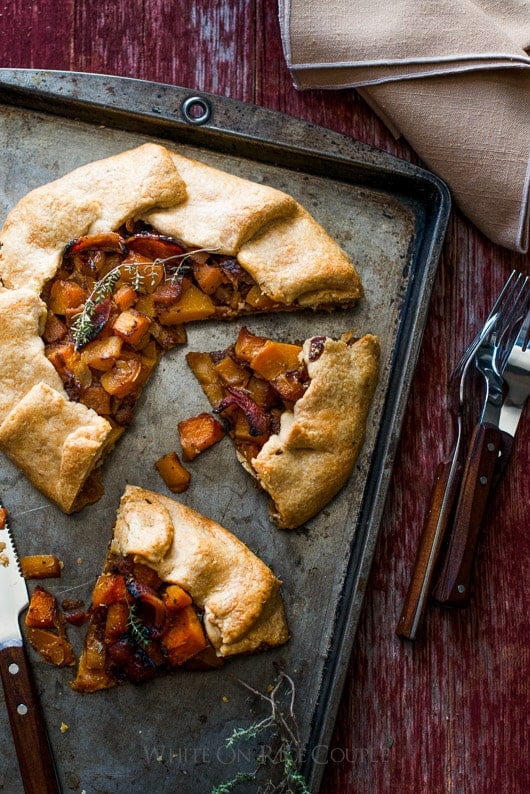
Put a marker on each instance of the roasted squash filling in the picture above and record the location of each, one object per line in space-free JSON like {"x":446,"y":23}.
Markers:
{"x":120,"y":299}
{"x":250,"y":385}
{"x":139,"y":626}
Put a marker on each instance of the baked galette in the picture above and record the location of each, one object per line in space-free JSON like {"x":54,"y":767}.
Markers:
{"x":177,"y":590}
{"x":296,"y":413}
{"x":100,"y":272}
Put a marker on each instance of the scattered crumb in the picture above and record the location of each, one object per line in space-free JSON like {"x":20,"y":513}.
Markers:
{"x":224,"y":699}
{"x":64,"y":727}
{"x":4,"y":560}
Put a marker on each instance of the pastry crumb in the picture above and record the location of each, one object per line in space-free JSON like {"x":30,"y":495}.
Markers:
{"x":64,"y":727}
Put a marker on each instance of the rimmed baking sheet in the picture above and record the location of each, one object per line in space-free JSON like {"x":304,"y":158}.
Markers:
{"x":169,"y":735}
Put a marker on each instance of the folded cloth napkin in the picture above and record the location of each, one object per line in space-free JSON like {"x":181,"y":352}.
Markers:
{"x":451,"y":76}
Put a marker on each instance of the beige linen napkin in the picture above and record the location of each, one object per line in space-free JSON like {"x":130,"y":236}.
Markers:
{"x":452,"y":76}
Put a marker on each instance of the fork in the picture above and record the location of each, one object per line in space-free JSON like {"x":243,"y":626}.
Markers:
{"x":488,"y":452}
{"x":447,"y":474}
{"x":517,"y":377}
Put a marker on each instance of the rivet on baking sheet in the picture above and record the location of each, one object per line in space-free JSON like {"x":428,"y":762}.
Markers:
{"x":22,"y":709}
{"x":461,"y":588}
{"x":13,"y":668}
{"x":491,"y":447}
{"x":483,"y":480}
{"x":196,"y":110}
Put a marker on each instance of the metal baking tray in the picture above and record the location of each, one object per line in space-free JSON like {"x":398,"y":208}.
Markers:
{"x":169,"y":735}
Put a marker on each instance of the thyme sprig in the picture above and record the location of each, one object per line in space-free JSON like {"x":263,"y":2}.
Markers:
{"x":138,"y":630}
{"x":143,"y":274}
{"x":281,"y":729}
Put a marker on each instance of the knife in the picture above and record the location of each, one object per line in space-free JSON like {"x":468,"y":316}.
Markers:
{"x":443,"y":493}
{"x":37,"y":766}
{"x":488,"y":455}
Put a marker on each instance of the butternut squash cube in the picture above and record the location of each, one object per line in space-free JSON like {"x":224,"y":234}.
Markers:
{"x":66,"y":295}
{"x":101,"y":354}
{"x":175,"y":476}
{"x":231,"y":373}
{"x":199,"y":433}
{"x":116,"y":621}
{"x":40,"y":566}
{"x":258,"y":300}
{"x":123,"y":378}
{"x":98,"y":399}
{"x":131,"y":326}
{"x":175,"y":598}
{"x":208,"y":278}
{"x":185,"y":637}
{"x":41,"y":610}
{"x":275,"y":358}
{"x":204,"y":370}
{"x":110,"y":588}
{"x":125,"y":297}
{"x":192,"y":305}
{"x":248,"y":345}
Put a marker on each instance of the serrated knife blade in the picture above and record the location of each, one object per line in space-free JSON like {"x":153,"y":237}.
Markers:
{"x":37,"y":766}
{"x":13,"y":591}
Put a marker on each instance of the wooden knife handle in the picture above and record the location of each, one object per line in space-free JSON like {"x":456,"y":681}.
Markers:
{"x":443,"y":494}
{"x":37,"y":766}
{"x":453,"y":583}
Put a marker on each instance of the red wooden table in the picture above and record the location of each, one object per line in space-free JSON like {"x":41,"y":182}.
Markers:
{"x":448,"y":713}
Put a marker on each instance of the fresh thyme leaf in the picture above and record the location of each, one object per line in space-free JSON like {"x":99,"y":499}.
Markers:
{"x":141,"y":273}
{"x":138,"y":630}
{"x":83,"y":324}
{"x":241,"y":777}
{"x":283,"y":742}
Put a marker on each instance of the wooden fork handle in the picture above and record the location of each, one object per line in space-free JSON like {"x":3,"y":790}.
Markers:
{"x":37,"y":766}
{"x":453,"y":583}
{"x":443,"y":495}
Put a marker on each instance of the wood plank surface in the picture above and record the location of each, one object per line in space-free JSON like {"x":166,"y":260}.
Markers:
{"x":450,"y":712}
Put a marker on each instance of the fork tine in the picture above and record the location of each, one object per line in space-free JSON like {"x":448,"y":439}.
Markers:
{"x":513,"y":325}
{"x":503,"y":298}
{"x":524,"y":333}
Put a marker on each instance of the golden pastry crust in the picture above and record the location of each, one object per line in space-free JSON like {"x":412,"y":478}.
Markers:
{"x":221,"y":211}
{"x":310,"y":459}
{"x":24,"y":365}
{"x":295,"y":259}
{"x":94,"y":198}
{"x":240,"y":596}
{"x":55,"y":442}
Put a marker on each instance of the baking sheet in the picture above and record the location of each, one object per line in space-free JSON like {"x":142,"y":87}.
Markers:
{"x":169,"y":735}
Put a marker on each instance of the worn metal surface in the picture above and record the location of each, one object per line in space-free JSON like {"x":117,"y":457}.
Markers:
{"x":391,"y":218}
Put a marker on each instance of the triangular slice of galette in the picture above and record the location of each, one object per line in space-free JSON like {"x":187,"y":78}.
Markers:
{"x":295,"y":412}
{"x":177,"y":590}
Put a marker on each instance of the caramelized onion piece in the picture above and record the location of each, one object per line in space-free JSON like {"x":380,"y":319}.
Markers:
{"x":107,"y":241}
{"x":256,"y":416}
{"x":156,"y":246}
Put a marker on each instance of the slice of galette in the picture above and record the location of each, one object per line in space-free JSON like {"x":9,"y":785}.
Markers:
{"x":100,"y":272}
{"x":296,"y":413}
{"x":177,"y":590}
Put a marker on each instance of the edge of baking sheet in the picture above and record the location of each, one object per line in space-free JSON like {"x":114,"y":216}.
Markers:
{"x":235,"y":127}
